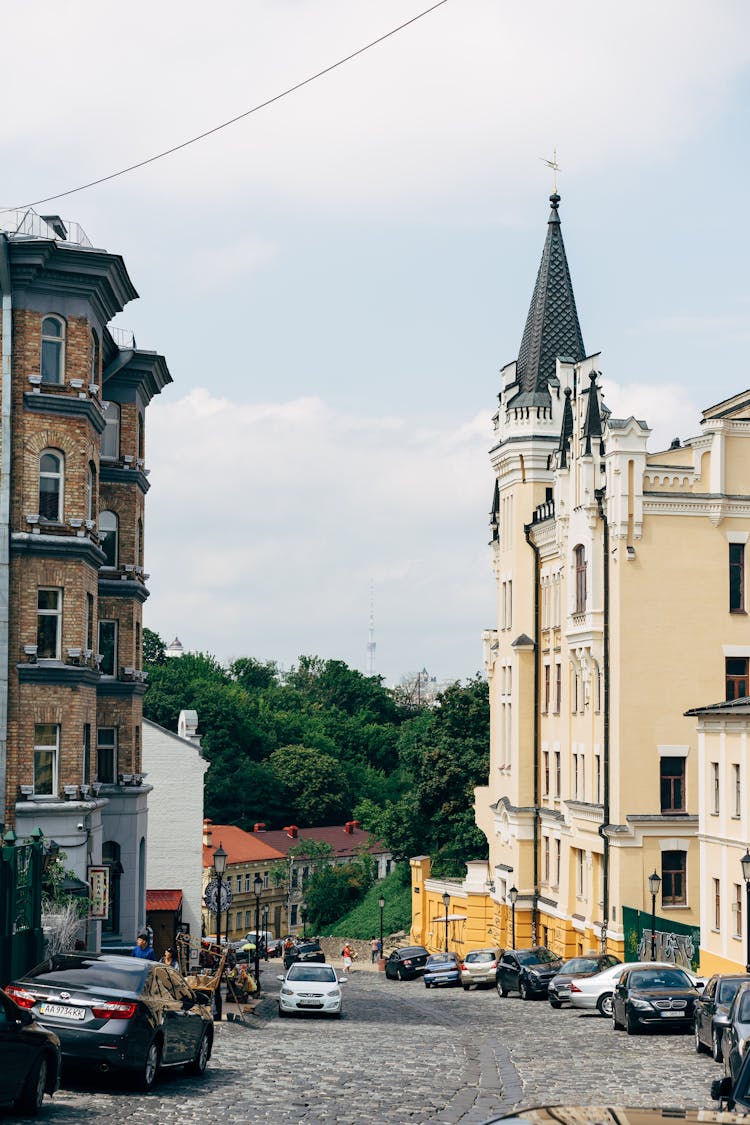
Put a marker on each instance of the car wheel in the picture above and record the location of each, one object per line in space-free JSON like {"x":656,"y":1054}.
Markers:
{"x":523,"y":990}
{"x":282,"y":1013}
{"x":200,"y":1062}
{"x":336,"y":1015}
{"x":699,"y":1046}
{"x":554,"y":1003}
{"x":502,"y":990}
{"x":604,"y":1005}
{"x":427,"y":984}
{"x":150,"y":1067}
{"x":32,"y":1096}
{"x":467,"y":987}
{"x":399,"y":975}
{"x":716,"y":1051}
{"x":631,"y":1024}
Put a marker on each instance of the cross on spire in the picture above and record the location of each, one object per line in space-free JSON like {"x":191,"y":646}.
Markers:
{"x":554,"y":166}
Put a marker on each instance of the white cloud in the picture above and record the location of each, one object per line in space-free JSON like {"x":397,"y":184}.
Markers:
{"x":667,"y":409}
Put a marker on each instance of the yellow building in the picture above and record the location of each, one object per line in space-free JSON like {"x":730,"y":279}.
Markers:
{"x":614,"y":570}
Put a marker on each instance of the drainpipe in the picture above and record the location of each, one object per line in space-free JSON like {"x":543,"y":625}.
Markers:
{"x":537,"y":646}
{"x":599,"y":494}
{"x":5,"y":406}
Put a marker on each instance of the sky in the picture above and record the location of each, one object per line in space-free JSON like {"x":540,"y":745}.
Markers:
{"x":337,"y":279}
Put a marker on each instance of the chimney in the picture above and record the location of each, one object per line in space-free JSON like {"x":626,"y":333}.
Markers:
{"x":356,"y":824}
{"x":348,"y":827}
{"x":260,"y":827}
{"x":291,"y":831}
{"x":206,"y":833}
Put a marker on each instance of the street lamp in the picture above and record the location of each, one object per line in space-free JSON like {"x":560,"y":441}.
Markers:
{"x":446,"y":904}
{"x":745,"y":861}
{"x":381,"y":960}
{"x":257,"y":888}
{"x":220,"y":866}
{"x":654,"y":882}
{"x":513,"y":896}
{"x":303,"y":911}
{"x":265,"y":932}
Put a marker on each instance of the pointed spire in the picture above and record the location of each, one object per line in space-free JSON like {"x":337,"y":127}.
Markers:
{"x":567,"y":430}
{"x":495,"y":513}
{"x":593,"y":425}
{"x":552,"y":327}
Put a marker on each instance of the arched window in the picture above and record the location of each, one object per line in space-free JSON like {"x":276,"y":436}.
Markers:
{"x":580,"y":560}
{"x":111,"y":435}
{"x":108,"y":536}
{"x":53,"y":349}
{"x":51,"y":480}
{"x":94,"y":357}
{"x":91,"y":492}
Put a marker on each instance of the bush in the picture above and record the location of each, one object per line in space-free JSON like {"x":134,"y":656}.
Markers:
{"x":363,"y":921}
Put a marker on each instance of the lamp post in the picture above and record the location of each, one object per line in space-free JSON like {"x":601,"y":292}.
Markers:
{"x":446,"y":904}
{"x":513,"y":896}
{"x":257,"y":888}
{"x":265,"y":932}
{"x":745,"y":861}
{"x":303,"y":911}
{"x":654,"y":882}
{"x":220,"y":866}
{"x":381,"y":958}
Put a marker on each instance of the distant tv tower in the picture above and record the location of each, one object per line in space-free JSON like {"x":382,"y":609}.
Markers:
{"x":371,"y":633}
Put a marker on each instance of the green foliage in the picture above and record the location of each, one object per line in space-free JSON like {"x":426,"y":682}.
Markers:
{"x":363,"y":921}
{"x":154,"y":648}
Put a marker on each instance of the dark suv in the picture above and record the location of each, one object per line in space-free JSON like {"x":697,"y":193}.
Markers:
{"x":304,"y":951}
{"x":527,"y":971}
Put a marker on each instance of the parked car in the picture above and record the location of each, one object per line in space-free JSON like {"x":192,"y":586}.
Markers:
{"x":119,"y":1012}
{"x":275,"y":947}
{"x":656,"y":996}
{"x":31,"y":1058}
{"x":311,"y":988}
{"x":527,"y":971}
{"x":737,"y":1032}
{"x":304,"y":951}
{"x":712,"y":1011}
{"x":576,"y":968}
{"x":406,"y":963}
{"x":442,"y":968}
{"x":596,"y":991}
{"x":479,"y":966}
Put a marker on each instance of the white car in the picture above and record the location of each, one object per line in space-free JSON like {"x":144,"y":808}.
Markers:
{"x":596,"y":991}
{"x":310,"y":987}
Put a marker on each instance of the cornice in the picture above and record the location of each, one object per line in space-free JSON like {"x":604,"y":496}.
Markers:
{"x":122,"y":588}
{"x":58,"y":674}
{"x":65,"y":405}
{"x":714,"y":507}
{"x":58,"y":267}
{"x":112,"y":473}
{"x":112,"y":687}
{"x":73,"y":547}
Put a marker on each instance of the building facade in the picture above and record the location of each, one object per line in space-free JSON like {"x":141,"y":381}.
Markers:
{"x":247,"y":857}
{"x":73,"y":483}
{"x":619,"y":584}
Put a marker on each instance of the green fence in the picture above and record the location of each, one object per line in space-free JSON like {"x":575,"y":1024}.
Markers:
{"x":674,"y":941}
{"x":20,"y":905}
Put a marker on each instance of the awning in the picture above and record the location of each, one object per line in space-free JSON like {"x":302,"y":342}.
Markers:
{"x":451,"y":918}
{"x":163,"y":900}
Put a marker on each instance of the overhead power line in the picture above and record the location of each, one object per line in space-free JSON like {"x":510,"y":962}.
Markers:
{"x":231,"y":121}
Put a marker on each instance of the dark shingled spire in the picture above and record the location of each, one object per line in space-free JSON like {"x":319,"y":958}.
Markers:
{"x":552,"y":327}
{"x":567,"y":430}
{"x":495,"y":513}
{"x":593,"y":425}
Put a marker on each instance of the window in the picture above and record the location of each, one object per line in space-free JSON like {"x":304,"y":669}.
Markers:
{"x":737,"y":790}
{"x":48,"y":624}
{"x":545,"y":773}
{"x":673,"y":880}
{"x":247,"y":919}
{"x":53,"y":350}
{"x":575,"y":777}
{"x":294,"y":914}
{"x":737,"y":910}
{"x":88,"y":624}
{"x":717,"y":904}
{"x":91,"y":491}
{"x":247,"y":883}
{"x":580,"y":566}
{"x":736,"y":577}
{"x":139,"y":543}
{"x":558,"y":686}
{"x":672,"y":783}
{"x":580,"y":874}
{"x":86,"y":754}
{"x":108,"y":647}
{"x":106,"y":755}
{"x":558,"y":857}
{"x":108,"y":537}
{"x":141,"y":443}
{"x":597,"y":778}
{"x":736,"y":676}
{"x":94,"y":357}
{"x":558,"y":779}
{"x":110,"y":449}
{"x":51,"y":480}
{"x":715,"y":789}
{"x":547,"y":687}
{"x":265,"y":880}
{"x":46,"y":750}
{"x":545,"y":859}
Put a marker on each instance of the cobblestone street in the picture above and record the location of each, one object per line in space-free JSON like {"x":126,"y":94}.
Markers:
{"x":404,"y":1054}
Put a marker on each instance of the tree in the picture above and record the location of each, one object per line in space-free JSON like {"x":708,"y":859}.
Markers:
{"x":315,"y":789}
{"x":154,"y":649}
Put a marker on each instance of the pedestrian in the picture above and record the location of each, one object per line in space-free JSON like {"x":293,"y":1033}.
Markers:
{"x":374,"y":949}
{"x":143,"y":947}
{"x":347,"y":954}
{"x":170,"y":959}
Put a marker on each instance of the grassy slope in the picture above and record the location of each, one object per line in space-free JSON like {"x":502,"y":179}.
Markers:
{"x":364,"y":920}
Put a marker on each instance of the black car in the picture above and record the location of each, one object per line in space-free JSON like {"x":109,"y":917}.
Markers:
{"x":304,"y":951}
{"x":584,"y":966}
{"x":527,"y":971}
{"x":658,"y":997}
{"x":30,"y":1058}
{"x":406,"y":963}
{"x":737,"y":1032}
{"x":120,"y":1013}
{"x":712,"y":1011}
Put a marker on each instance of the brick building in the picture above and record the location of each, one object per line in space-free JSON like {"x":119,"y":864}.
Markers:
{"x":73,"y":482}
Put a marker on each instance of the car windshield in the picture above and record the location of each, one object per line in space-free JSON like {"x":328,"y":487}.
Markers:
{"x":72,"y":972}
{"x":727,"y":991}
{"x":480,"y":955}
{"x":660,"y":978}
{"x":320,"y":973}
{"x":441,"y":958}
{"x":536,"y":956}
{"x":579,"y":965}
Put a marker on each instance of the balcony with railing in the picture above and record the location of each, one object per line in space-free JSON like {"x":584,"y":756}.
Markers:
{"x":27,"y":223}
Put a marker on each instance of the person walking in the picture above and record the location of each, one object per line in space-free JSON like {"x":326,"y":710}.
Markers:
{"x":347,"y":954}
{"x":374,"y":944}
{"x":143,"y":947}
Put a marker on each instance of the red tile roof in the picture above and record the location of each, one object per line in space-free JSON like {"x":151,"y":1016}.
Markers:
{"x":163,"y":900}
{"x":344,"y":843}
{"x":240,"y":846}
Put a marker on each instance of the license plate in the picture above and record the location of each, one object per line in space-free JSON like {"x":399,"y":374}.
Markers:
{"x":65,"y":1011}
{"x":674,"y":1015}
{"x":310,"y":1004}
